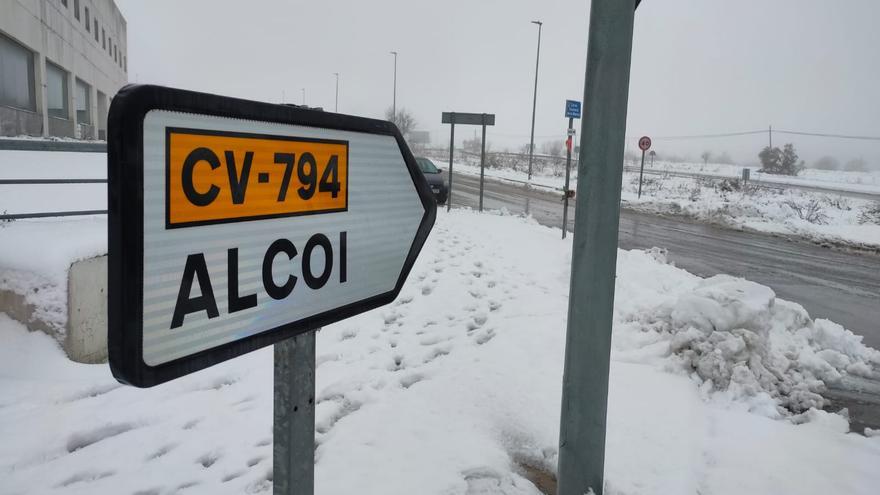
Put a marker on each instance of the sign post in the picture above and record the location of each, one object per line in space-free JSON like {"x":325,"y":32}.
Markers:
{"x":594,"y":250}
{"x":234,"y":225}
{"x":644,"y":145}
{"x":482,"y":119}
{"x":572,"y":111}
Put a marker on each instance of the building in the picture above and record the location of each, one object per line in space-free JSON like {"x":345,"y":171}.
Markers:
{"x":61,"y":61}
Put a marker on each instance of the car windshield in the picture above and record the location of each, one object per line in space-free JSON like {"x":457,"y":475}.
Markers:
{"x":427,"y":166}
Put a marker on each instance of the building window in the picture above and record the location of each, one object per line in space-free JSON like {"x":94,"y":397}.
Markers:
{"x":16,"y":75}
{"x":88,"y":24}
{"x":96,"y":29}
{"x":115,"y":54}
{"x":76,"y":9}
{"x":83,"y":107}
{"x":64,"y":2}
{"x":103,"y":38}
{"x":56,"y":87}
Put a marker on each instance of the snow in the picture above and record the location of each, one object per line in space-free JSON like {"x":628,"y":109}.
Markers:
{"x":35,"y":256}
{"x":839,"y":220}
{"x":455,"y":388}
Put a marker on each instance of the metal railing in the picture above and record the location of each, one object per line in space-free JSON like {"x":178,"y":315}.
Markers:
{"x":48,"y":214}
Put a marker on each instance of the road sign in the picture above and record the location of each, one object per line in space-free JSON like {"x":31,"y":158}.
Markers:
{"x":572,"y":132}
{"x":572,"y":109}
{"x":644,"y":143}
{"x":468,"y":118}
{"x":236,"y":224}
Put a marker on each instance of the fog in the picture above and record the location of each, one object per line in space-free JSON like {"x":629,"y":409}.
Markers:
{"x":699,"y":67}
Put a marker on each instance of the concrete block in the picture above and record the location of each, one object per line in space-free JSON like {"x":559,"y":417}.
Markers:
{"x":86,"y":340}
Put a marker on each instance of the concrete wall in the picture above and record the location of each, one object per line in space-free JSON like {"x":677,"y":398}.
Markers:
{"x":85,"y":338}
{"x":87,"y":311}
{"x":54,"y":34}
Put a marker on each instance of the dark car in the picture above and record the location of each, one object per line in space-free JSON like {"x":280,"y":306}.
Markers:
{"x":435,"y":179}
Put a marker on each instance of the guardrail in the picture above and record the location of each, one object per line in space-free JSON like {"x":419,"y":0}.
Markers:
{"x":21,"y":216}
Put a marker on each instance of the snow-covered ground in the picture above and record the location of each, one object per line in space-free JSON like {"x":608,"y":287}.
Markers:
{"x":820,"y":217}
{"x":455,"y":388}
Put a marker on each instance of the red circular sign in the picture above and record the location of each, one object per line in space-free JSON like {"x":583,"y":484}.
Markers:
{"x":644,"y":143}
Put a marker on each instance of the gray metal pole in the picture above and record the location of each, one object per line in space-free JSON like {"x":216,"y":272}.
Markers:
{"x":394,"y":101}
{"x":535,"y":98}
{"x":293,"y":471}
{"x":641,"y":173}
{"x":567,"y":177}
{"x":451,"y":150}
{"x":336,"y":108}
{"x":594,"y":251}
{"x":482,"y":162}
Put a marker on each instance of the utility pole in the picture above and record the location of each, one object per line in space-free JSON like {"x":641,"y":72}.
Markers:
{"x":770,"y":135}
{"x":535,"y":98}
{"x":594,"y":250}
{"x":336,"y":108}
{"x":394,"y":101}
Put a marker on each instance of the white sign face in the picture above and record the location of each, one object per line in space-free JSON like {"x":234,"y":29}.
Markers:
{"x":253,"y":230}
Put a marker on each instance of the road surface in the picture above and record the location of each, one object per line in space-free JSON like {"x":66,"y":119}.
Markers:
{"x":841,"y":286}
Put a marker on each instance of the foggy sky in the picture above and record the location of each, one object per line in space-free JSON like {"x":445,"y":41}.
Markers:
{"x":698,"y":67}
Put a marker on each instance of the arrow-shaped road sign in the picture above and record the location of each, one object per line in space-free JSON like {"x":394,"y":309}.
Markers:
{"x":235,"y":224}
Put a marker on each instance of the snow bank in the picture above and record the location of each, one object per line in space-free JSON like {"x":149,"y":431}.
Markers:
{"x":455,"y":388}
{"x":35,"y":256}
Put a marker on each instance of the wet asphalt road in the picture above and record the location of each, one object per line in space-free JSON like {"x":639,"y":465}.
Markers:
{"x":841,"y":286}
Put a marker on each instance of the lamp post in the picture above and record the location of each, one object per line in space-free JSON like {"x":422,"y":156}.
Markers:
{"x":394,"y":101}
{"x":535,"y":98}
{"x":336,"y":108}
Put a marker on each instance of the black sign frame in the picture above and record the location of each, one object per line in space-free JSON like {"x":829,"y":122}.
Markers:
{"x":126,"y":236}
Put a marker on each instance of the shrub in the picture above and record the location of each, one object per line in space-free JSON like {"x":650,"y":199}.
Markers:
{"x":811,"y":211}
{"x":870,"y":213}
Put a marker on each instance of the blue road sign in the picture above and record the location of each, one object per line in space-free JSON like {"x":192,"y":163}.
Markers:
{"x":572,"y":109}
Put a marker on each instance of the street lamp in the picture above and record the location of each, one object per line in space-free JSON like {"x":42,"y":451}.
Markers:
{"x":336,"y":109}
{"x":394,"y":101}
{"x":535,"y":99}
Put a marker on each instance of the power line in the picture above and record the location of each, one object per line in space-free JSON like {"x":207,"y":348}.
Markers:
{"x":838,"y":136}
{"x":710,"y":136}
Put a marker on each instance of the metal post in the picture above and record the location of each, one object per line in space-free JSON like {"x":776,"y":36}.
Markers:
{"x":567,"y":177}
{"x":535,"y":98}
{"x":451,"y":150}
{"x":594,"y":251}
{"x":482,"y":161}
{"x":770,"y":136}
{"x":336,"y":108}
{"x":641,"y":173}
{"x":294,"y":416}
{"x":394,"y":101}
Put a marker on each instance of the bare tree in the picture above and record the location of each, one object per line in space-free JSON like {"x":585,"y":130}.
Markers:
{"x":403,"y":120}
{"x":706,"y":155}
{"x":856,"y":165}
{"x":553,"y":148}
{"x":827,"y":163}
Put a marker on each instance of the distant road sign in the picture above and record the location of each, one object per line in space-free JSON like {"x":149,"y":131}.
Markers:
{"x":572,"y":109}
{"x":644,"y":143}
{"x":572,"y":132}
{"x":468,"y":118}
{"x":236,"y":224}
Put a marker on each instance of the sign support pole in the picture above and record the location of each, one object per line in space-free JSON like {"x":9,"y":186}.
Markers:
{"x":451,"y":150}
{"x":641,"y":172}
{"x":594,"y":252}
{"x":294,"y":416}
{"x":482,"y":162}
{"x":567,"y":178}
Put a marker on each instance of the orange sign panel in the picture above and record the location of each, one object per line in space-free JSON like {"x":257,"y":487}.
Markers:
{"x":219,"y":177}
